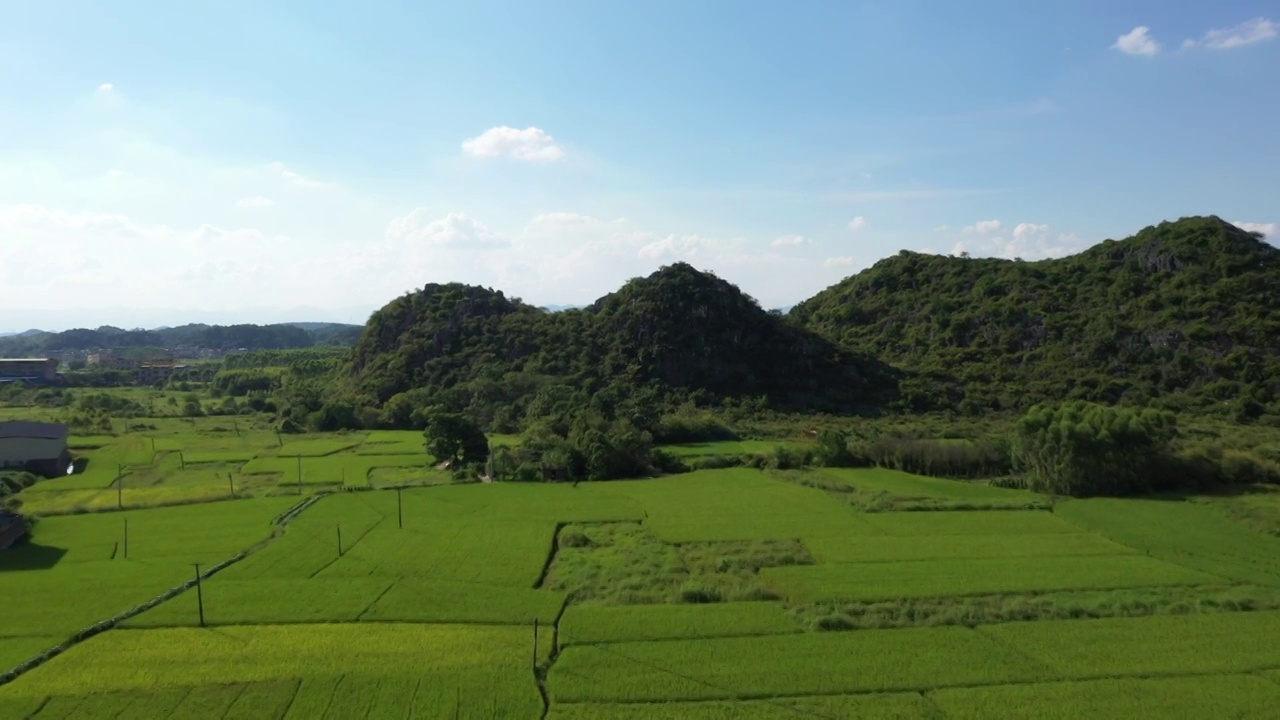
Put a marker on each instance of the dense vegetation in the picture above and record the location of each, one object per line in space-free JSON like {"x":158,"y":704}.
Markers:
{"x":146,"y":343}
{"x":1183,"y":315}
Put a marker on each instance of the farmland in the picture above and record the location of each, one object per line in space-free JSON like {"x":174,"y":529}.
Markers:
{"x":731,"y":593}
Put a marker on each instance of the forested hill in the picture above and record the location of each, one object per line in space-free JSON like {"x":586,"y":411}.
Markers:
{"x":215,"y":337}
{"x":676,"y":330}
{"x":1185,"y":314}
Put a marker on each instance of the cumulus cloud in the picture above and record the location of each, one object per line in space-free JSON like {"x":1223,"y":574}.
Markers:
{"x":1137,"y":42}
{"x":983,"y":227}
{"x":256,"y":201}
{"x":857,"y":223}
{"x":1257,"y":30}
{"x":531,"y":144}
{"x":1267,"y":229}
{"x":834,"y":262}
{"x":455,"y":230}
{"x":790,"y":241}
{"x":106,"y":89}
{"x":1028,"y":241}
{"x":1027,"y":231}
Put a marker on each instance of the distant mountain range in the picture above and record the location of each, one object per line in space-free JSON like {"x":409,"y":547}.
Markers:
{"x":280,"y":336}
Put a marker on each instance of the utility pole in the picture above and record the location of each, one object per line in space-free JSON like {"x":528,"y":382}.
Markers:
{"x":232,"y":483}
{"x":339,"y":541}
{"x":199,"y":595}
{"x":535,"y":645}
{"x":182,"y":459}
{"x":400,"y":508}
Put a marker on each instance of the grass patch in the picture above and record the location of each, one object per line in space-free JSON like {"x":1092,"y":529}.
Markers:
{"x":939,"y":578}
{"x":623,"y":563}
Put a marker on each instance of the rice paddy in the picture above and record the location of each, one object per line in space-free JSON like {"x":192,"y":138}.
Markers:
{"x":716,"y":594}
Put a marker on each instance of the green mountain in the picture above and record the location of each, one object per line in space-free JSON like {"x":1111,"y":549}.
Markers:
{"x":1184,"y":314}
{"x":677,"y":330}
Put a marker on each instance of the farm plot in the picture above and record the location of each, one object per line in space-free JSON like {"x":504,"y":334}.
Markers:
{"x":976,"y":522}
{"x":1191,"y":534}
{"x":588,"y":624}
{"x":960,"y":547}
{"x":393,"y":442}
{"x":475,"y":667}
{"x":1218,"y":696}
{"x":800,"y":664}
{"x":895,"y":706}
{"x":954,"y":577}
{"x":450,"y":563}
{"x":739,"y":504}
{"x":342,"y":469}
{"x":1157,"y":645}
{"x":903,"y":484}
{"x":74,"y":572}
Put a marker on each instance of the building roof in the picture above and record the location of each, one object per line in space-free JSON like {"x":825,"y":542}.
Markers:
{"x":22,"y":429}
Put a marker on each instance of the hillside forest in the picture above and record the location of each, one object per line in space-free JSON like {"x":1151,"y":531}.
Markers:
{"x":1155,"y":358}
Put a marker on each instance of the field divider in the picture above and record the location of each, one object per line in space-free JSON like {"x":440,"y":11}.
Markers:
{"x":277,"y":524}
{"x":387,"y":589}
{"x":347,"y":549}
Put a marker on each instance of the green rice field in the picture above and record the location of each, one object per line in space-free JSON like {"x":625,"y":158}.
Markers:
{"x":734,"y":593}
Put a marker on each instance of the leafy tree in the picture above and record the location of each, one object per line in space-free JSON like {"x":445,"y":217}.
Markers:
{"x":1083,"y":449}
{"x":455,"y":438}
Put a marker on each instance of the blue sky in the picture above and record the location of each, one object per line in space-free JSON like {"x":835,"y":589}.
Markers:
{"x":228,"y":161}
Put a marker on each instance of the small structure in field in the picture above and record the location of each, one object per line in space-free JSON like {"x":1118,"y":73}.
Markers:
{"x":39,"y":448}
{"x":12,"y":529}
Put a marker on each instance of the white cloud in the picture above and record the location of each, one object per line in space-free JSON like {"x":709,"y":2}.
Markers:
{"x":789,"y":241}
{"x":106,"y":89}
{"x":942,"y":229}
{"x":857,"y":223}
{"x":1026,"y":231}
{"x":1249,"y":32}
{"x":530,"y":144}
{"x":1267,"y":229}
{"x":960,"y":248}
{"x":983,"y":227}
{"x":1137,"y":42}
{"x":455,"y":230}
{"x":256,"y":201}
{"x":298,"y":179}
{"x":833,"y":262}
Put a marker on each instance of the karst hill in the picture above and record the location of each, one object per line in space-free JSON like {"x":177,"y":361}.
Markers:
{"x":1182,"y":314}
